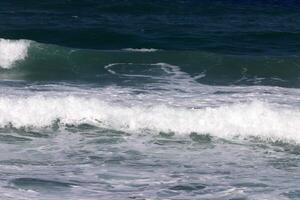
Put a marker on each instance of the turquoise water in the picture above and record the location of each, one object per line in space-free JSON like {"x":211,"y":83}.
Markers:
{"x":149,"y":100}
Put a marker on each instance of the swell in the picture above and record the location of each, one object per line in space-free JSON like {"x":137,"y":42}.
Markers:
{"x":243,"y":27}
{"x":45,"y":62}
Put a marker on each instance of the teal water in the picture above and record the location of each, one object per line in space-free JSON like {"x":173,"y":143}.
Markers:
{"x":149,"y":100}
{"x":55,"y":63}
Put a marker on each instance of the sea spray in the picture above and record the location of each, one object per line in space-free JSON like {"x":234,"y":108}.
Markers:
{"x":12,"y":51}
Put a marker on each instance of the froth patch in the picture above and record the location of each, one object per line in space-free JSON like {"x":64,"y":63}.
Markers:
{"x":144,"y":50}
{"x":248,"y":119}
{"x":12,"y":51}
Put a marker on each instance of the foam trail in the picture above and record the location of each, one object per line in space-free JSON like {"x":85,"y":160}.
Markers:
{"x":144,"y":50}
{"x":12,"y":51}
{"x":247,"y":119}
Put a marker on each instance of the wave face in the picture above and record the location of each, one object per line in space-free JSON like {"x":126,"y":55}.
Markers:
{"x":29,"y":60}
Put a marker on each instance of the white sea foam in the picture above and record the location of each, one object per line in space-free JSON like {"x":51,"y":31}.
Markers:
{"x":141,"y":49}
{"x":12,"y":51}
{"x":242,"y":119}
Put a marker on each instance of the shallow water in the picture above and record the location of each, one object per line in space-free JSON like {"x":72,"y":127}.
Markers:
{"x":119,"y":143}
{"x":97,"y":163}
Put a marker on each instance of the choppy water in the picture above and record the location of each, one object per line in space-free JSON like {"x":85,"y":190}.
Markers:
{"x":149,"y":100}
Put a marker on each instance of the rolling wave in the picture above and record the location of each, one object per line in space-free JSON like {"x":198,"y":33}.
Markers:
{"x":255,"y":118}
{"x":29,"y":60}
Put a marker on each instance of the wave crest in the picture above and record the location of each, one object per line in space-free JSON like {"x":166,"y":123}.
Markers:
{"x":257,"y":118}
{"x":12,"y":51}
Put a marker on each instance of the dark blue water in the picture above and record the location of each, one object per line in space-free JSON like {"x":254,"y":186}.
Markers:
{"x":149,"y":99}
{"x":243,"y":27}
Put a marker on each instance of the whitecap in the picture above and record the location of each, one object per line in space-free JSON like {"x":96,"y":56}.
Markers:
{"x":145,"y":50}
{"x":256,"y":118}
{"x":12,"y":51}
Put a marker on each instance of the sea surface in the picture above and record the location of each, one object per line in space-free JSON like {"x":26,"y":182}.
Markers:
{"x":149,"y":100}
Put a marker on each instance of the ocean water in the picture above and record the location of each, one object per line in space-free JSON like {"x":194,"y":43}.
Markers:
{"x":149,"y":100}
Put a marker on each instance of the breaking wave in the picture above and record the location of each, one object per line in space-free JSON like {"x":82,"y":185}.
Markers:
{"x":12,"y":51}
{"x":256,"y":118}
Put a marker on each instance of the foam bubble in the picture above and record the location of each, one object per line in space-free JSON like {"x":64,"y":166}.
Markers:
{"x":141,"y":50}
{"x":12,"y":51}
{"x":257,"y":118}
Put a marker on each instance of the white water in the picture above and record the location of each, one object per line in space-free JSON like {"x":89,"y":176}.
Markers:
{"x":175,"y":102}
{"x":12,"y":51}
{"x":241,"y":119}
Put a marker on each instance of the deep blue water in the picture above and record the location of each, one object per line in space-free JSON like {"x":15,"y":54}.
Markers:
{"x":230,"y":27}
{"x":130,"y":99}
